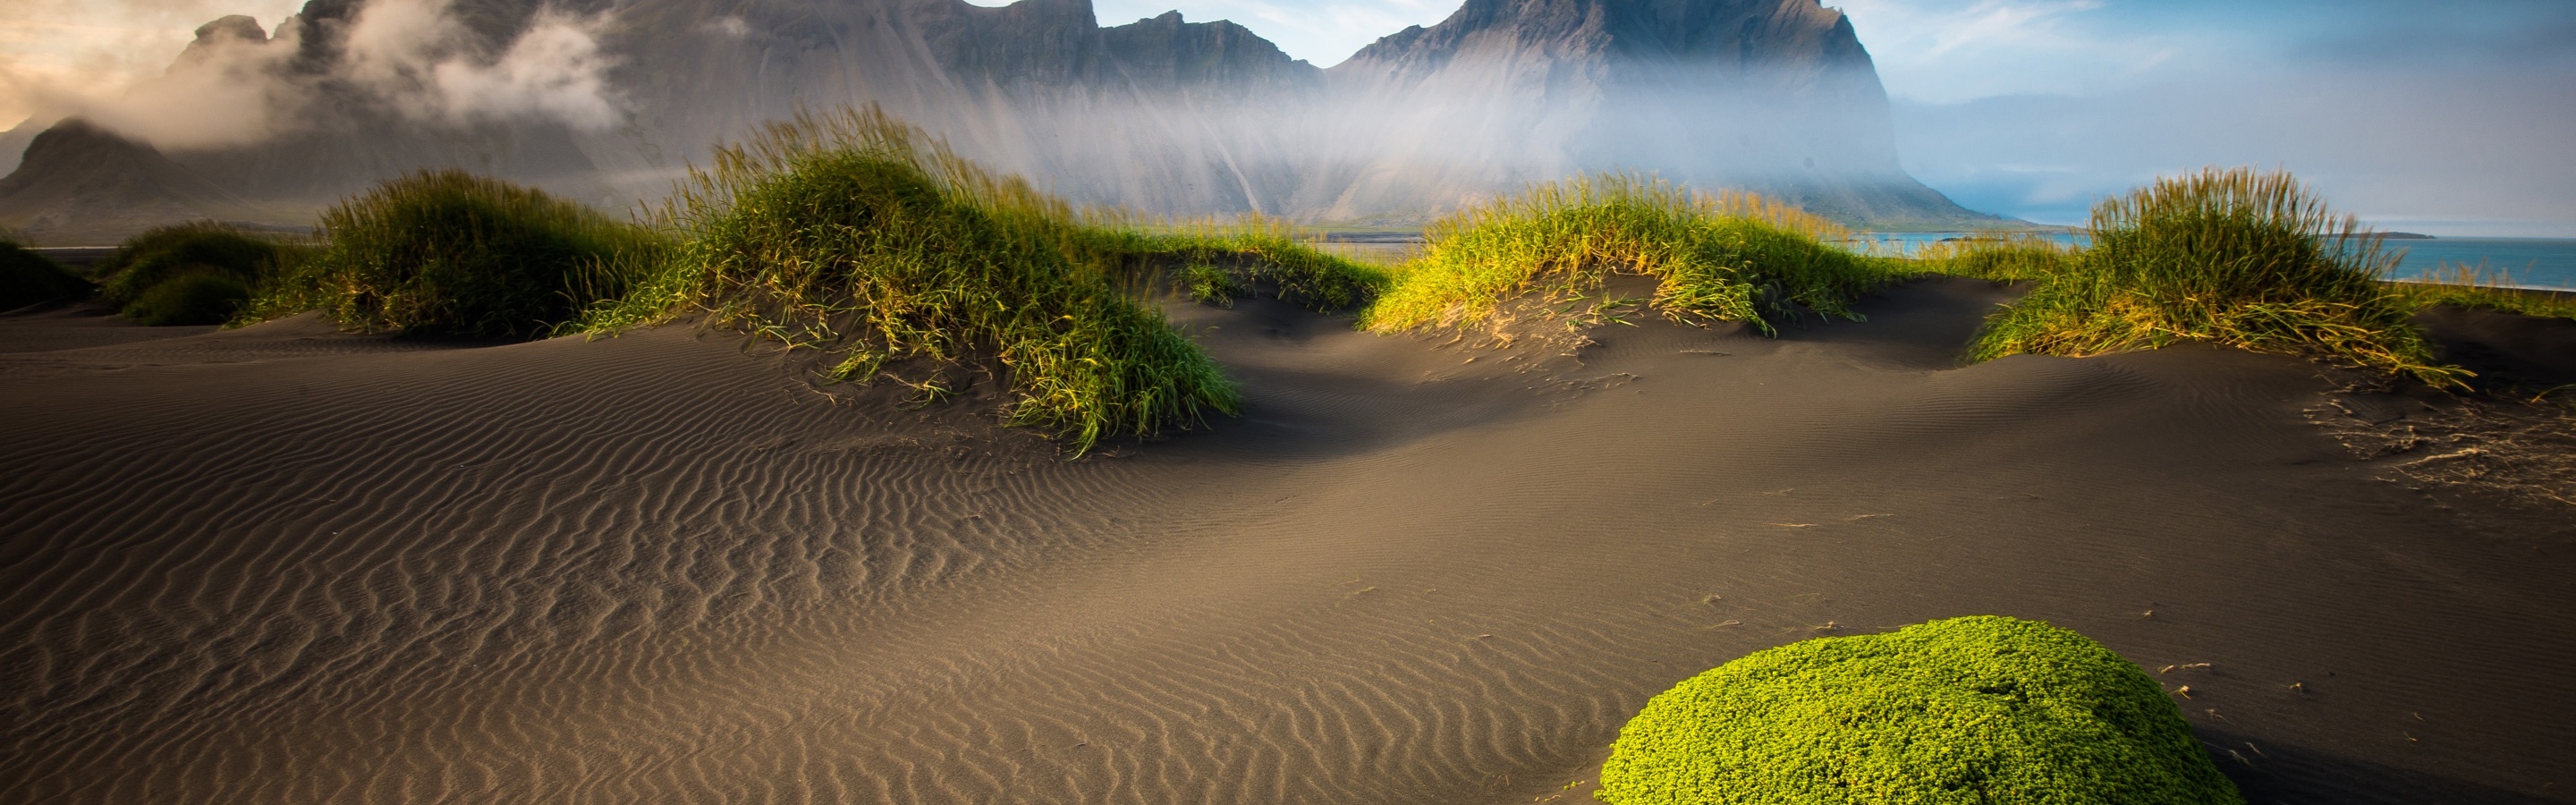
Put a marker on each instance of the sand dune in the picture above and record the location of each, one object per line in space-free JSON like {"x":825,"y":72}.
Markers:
{"x":278,"y":564}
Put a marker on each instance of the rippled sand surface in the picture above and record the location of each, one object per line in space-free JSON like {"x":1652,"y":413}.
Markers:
{"x":280,"y":564}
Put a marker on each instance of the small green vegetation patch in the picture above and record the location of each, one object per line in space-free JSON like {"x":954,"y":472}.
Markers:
{"x":2000,"y":256}
{"x":1214,"y":262}
{"x":1981,"y":709}
{"x":855,"y":233}
{"x":449,"y":252}
{"x":167,"y":253}
{"x":1724,"y":257}
{"x":2487,"y":288}
{"x":2236,"y":257}
{"x":27,"y":278}
{"x":195,"y":298}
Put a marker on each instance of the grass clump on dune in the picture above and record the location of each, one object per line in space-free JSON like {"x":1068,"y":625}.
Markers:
{"x":197,"y":298}
{"x":1215,"y":261}
{"x":1964,"y":710}
{"x":448,"y":252}
{"x":1724,"y":257}
{"x":2001,"y":257}
{"x":2233,"y":257}
{"x":192,"y":273}
{"x":856,"y":233}
{"x":28,"y":278}
{"x":2483,"y":287}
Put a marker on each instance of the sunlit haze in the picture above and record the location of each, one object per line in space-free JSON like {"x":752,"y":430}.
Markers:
{"x":2444,"y":118}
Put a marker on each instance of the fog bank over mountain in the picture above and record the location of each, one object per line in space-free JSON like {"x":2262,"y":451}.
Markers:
{"x":609,"y":101}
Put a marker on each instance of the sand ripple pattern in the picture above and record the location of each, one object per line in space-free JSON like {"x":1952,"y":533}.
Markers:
{"x":662,"y":568}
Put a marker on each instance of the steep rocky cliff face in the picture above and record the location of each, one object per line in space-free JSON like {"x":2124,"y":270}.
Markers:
{"x":1161,"y":114}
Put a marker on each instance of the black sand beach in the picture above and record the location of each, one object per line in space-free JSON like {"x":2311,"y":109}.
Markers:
{"x":282,"y":564}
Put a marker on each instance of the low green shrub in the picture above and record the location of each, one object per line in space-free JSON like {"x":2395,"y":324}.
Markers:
{"x":204,"y":297}
{"x":28,"y":278}
{"x":2235,"y":257}
{"x":858,"y":234}
{"x":1727,"y":257}
{"x":449,"y":252}
{"x":1981,"y":709}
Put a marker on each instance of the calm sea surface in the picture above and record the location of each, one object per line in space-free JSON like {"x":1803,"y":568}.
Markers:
{"x":2528,"y":262}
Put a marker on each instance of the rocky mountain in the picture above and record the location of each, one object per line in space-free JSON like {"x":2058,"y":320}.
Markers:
{"x":79,"y":183}
{"x":609,"y":100}
{"x":1771,"y":95}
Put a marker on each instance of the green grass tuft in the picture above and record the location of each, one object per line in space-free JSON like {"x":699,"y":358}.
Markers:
{"x":1214,"y":261}
{"x":2000,"y":256}
{"x":1964,"y":710}
{"x":1724,"y":257}
{"x":2235,"y":257}
{"x":27,"y":278}
{"x":197,"y":247}
{"x":2484,"y":287}
{"x":204,"y":297}
{"x":858,"y":234}
{"x":448,"y":252}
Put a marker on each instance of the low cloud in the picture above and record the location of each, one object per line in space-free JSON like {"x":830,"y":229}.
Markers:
{"x":230,"y":86}
{"x":221,"y":92}
{"x":415,"y":54}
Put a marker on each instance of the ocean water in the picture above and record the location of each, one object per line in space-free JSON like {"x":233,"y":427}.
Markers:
{"x":2527,"y":262}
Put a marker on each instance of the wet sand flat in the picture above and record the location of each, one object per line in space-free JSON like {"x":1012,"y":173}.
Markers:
{"x":280,"y":564}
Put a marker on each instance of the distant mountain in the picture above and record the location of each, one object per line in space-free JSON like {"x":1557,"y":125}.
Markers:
{"x":609,"y":101}
{"x":1776,"y":96}
{"x":82,"y":185}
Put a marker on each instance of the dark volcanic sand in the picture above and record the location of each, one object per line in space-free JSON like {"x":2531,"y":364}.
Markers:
{"x":284,"y":565}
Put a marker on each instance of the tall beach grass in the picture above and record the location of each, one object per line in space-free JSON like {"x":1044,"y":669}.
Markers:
{"x":856,"y":233}
{"x":199,"y":272}
{"x":1213,"y":260}
{"x":2482,"y":286}
{"x":449,"y":252}
{"x":2238,"y":257}
{"x":1997,"y":256}
{"x":1716,"y":256}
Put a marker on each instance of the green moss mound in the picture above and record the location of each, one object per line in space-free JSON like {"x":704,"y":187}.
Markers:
{"x":858,"y":235}
{"x":1980,"y":709}
{"x":1725,"y":257}
{"x":2236,"y":257}
{"x":199,"y":298}
{"x":27,"y":278}
{"x":449,"y":252}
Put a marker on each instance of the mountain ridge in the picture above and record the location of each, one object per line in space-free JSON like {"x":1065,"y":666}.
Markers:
{"x":1161,"y":115}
